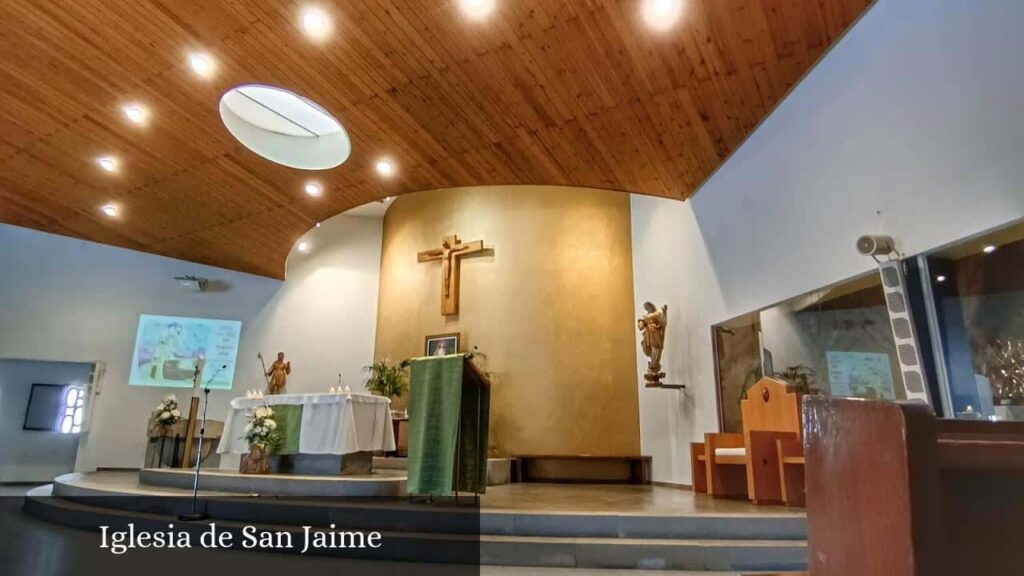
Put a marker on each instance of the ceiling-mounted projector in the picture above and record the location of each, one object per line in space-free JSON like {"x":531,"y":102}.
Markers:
{"x":876,"y":245}
{"x":192,"y":283}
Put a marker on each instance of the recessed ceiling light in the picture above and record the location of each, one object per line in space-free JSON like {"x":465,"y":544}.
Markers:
{"x":315,"y":22}
{"x":385,"y":168}
{"x":136,"y":113}
{"x":940,"y":278}
{"x":317,"y":224}
{"x":303,"y":246}
{"x":109,"y":210}
{"x":477,"y":9}
{"x":108,"y":163}
{"x":201,"y":63}
{"x":662,"y":14}
{"x":314,"y":189}
{"x":988,"y":249}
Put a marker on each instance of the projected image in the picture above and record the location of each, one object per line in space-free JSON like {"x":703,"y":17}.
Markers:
{"x":167,"y":349}
{"x":860,"y":374}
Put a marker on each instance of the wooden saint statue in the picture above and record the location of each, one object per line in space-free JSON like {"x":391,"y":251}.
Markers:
{"x":652,"y":326}
{"x":277,"y":376}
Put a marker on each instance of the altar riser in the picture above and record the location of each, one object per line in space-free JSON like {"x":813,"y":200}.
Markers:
{"x":494,"y":550}
{"x":400,"y":515}
{"x":380,"y":486}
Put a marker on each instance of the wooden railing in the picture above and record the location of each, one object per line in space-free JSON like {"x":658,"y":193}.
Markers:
{"x":893,"y":491}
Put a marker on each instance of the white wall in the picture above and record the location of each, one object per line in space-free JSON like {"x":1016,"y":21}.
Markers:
{"x":34,"y":455}
{"x":324,"y":317}
{"x":70,"y":300}
{"x":910,"y":126}
{"x":671,"y":266}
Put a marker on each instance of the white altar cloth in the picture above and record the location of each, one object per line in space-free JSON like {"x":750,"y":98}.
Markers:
{"x":331,"y":423}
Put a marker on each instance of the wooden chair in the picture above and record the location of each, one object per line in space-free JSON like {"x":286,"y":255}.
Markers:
{"x":765,"y":462}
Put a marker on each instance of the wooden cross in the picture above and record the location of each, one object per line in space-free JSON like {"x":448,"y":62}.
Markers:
{"x":450,"y":254}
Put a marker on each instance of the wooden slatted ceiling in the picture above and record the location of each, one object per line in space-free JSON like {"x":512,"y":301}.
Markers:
{"x":568,"y":92}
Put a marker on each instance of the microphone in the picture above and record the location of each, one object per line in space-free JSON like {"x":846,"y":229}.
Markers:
{"x":206,"y":388}
{"x":197,"y":375}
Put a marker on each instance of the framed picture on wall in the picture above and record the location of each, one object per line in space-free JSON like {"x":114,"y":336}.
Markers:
{"x":441,"y":344}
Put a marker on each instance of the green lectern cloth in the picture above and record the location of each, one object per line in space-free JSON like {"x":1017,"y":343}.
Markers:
{"x":440,"y":406}
{"x":289,"y":420}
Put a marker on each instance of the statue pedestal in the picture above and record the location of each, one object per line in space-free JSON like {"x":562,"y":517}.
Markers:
{"x":653,"y":377}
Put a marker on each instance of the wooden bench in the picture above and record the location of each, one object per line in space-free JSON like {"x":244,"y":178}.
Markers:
{"x":892,"y":490}
{"x":765,"y":462}
{"x":581,"y":469}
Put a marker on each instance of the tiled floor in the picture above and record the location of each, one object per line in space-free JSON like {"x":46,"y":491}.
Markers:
{"x":15,"y":490}
{"x":605,"y":499}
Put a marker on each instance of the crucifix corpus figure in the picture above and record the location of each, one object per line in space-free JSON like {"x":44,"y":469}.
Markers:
{"x":450,"y":254}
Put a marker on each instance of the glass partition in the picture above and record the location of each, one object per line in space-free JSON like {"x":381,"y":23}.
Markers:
{"x":738,"y":350}
{"x":978,"y":291}
{"x":968,"y":306}
{"x":836,"y":341}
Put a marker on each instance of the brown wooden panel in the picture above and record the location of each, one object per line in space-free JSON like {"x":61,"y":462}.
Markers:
{"x":872,"y":487}
{"x":543,"y":92}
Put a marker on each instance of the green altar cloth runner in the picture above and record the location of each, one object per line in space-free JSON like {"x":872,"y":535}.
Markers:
{"x":449,"y":406}
{"x":289,"y":421}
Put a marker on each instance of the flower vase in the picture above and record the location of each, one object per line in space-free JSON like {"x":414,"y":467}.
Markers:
{"x":256,"y":461}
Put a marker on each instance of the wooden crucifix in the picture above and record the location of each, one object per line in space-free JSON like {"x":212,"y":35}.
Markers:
{"x":450,"y":254}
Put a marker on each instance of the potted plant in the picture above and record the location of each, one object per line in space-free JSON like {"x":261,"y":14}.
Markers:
{"x":386,"y":380}
{"x":167,"y":414}
{"x":801,"y":377}
{"x":261,"y":432}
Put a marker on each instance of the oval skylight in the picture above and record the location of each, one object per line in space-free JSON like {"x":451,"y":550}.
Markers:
{"x":284,"y":127}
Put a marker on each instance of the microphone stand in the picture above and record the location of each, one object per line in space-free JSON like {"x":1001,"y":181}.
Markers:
{"x":194,"y":515}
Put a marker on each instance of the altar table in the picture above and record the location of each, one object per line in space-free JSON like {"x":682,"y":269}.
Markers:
{"x":324,"y":423}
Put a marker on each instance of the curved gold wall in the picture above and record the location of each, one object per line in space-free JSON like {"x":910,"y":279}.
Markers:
{"x":552,"y":308}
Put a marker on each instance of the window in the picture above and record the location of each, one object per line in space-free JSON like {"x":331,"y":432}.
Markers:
{"x":73,"y":410}
{"x":55,"y":408}
{"x":967,"y":303}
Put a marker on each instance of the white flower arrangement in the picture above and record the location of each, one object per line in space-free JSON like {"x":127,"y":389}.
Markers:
{"x":167,"y":412}
{"x":261,"y":430}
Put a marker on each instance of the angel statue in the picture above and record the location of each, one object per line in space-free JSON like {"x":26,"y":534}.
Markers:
{"x":652,"y":326}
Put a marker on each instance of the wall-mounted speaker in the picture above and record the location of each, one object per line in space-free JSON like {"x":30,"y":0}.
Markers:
{"x":876,"y":245}
{"x":894,"y":284}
